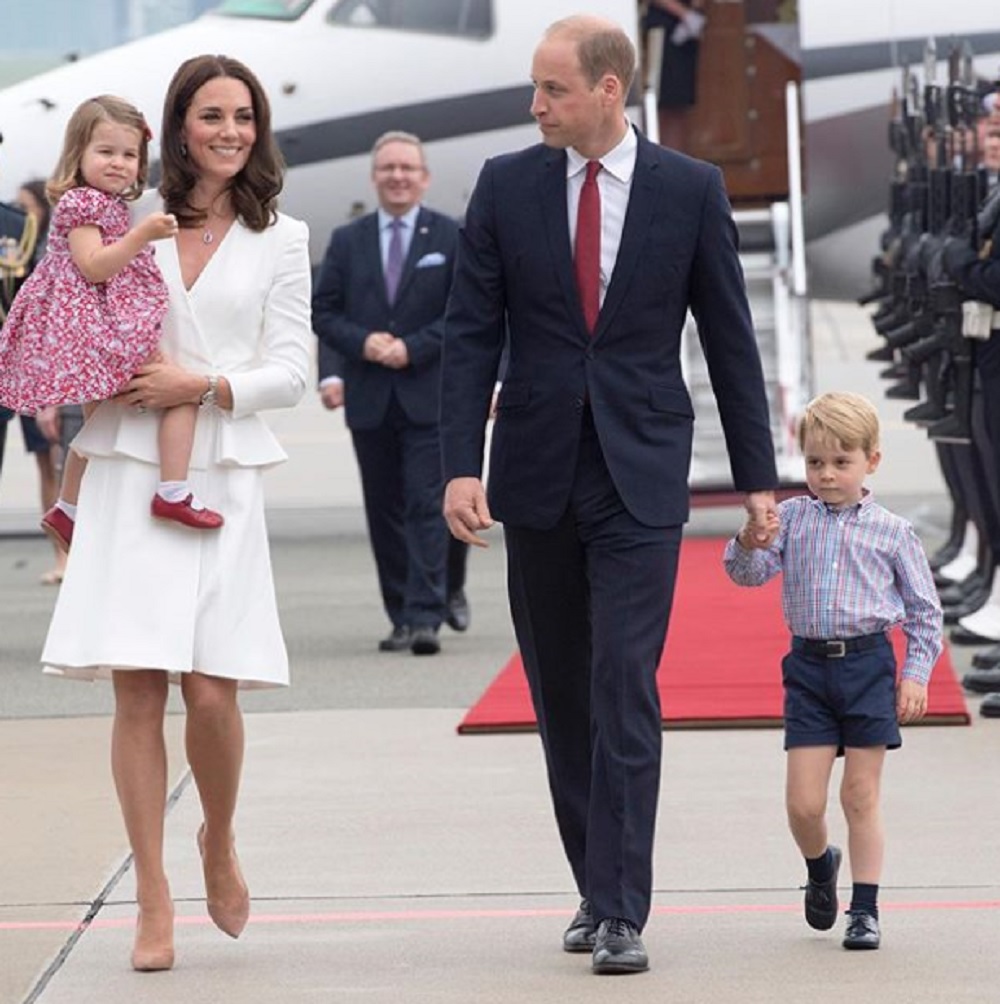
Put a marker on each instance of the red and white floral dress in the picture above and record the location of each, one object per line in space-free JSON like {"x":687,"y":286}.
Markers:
{"x":68,"y":340}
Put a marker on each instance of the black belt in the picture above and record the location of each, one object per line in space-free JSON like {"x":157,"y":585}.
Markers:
{"x":836,"y":648}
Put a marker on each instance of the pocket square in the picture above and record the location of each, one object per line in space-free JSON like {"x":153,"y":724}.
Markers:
{"x":431,"y":259}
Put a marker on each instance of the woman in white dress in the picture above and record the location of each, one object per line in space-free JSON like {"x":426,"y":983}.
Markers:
{"x":146,"y":602}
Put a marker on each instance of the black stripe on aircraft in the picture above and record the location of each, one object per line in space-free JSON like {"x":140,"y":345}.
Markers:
{"x":488,"y":111}
{"x":837,"y":60}
{"x":446,"y":118}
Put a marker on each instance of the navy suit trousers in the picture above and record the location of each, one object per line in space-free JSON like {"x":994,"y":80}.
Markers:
{"x":590,"y":600}
{"x":400,"y":464}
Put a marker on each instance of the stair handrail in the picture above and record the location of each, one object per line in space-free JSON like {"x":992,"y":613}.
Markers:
{"x":799,"y":283}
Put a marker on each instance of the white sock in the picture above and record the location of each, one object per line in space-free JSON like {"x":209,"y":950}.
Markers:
{"x":68,"y":508}
{"x":178,"y":491}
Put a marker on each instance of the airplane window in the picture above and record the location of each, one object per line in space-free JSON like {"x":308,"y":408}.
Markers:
{"x":278,"y":10}
{"x":473,"y":18}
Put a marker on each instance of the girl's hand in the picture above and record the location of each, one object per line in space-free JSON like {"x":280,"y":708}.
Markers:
{"x":162,"y":384}
{"x":157,"y":226}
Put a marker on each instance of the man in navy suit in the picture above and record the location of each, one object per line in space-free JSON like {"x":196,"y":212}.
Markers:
{"x":592,"y":442}
{"x":379,"y":302}
{"x":331,"y":393}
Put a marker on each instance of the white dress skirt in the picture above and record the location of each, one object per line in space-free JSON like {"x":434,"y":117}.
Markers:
{"x":144,"y":593}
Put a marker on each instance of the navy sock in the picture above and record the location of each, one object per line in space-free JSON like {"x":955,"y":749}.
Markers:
{"x":864,"y":897}
{"x":821,"y":868}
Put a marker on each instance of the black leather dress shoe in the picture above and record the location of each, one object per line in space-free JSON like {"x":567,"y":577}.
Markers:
{"x":618,"y":948}
{"x":990,"y":706}
{"x":397,"y":641}
{"x":581,"y":933}
{"x":862,"y":931}
{"x":424,"y":641}
{"x":821,"y":897}
{"x":989,"y":658}
{"x":963,"y":636}
{"x":457,"y":611}
{"x":982,"y":681}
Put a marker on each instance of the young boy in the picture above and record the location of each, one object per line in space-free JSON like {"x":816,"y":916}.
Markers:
{"x":852,"y":570}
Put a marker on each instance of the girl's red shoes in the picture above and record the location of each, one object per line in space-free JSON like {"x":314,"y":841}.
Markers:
{"x":184,"y":512}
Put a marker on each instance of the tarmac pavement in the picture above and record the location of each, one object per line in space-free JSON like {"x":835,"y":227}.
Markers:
{"x":392,"y":860}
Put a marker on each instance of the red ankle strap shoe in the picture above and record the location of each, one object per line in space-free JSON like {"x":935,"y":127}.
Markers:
{"x":183,"y":512}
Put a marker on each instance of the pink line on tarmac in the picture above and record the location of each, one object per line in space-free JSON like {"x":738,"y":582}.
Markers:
{"x":379,"y":916}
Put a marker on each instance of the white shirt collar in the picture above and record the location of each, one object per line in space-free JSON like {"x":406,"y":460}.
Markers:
{"x":619,"y":161}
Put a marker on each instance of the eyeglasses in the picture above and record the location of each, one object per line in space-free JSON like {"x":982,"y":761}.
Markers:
{"x":404,"y":168}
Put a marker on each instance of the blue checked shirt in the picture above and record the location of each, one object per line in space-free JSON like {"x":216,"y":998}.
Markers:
{"x":848,"y":572}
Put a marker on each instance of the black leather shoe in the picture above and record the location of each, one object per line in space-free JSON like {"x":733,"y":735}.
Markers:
{"x":397,"y":641}
{"x":821,"y":897}
{"x":618,"y":948}
{"x":963,"y":636}
{"x":581,"y":933}
{"x":424,"y":641}
{"x":990,"y":706}
{"x":457,"y":611}
{"x":989,"y":658}
{"x":982,"y":681}
{"x":862,"y":931}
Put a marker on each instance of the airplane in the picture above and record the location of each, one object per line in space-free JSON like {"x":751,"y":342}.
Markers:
{"x":456,"y":73}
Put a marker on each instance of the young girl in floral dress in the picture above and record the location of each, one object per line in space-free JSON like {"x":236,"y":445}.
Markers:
{"x":89,"y":315}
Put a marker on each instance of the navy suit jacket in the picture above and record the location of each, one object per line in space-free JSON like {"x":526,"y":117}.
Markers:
{"x":349,"y":302}
{"x":678,"y":251}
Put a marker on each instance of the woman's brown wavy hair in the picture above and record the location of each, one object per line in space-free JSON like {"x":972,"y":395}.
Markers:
{"x":255,"y":189}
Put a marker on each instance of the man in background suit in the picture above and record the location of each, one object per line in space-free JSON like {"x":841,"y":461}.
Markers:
{"x":331,"y":393}
{"x":379,"y":302}
{"x":588,"y":250}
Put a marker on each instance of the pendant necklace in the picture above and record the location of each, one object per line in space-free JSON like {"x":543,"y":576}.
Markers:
{"x":207,"y":236}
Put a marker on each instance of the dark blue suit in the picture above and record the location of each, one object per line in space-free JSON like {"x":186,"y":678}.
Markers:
{"x":589,"y":465}
{"x":393,"y":414}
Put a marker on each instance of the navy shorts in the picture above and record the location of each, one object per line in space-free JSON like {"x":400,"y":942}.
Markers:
{"x":848,"y":701}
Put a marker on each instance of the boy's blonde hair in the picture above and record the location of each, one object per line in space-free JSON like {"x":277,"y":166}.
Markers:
{"x":847,"y":419}
{"x":80,"y":129}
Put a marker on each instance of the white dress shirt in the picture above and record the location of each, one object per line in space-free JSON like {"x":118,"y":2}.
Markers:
{"x":614,"y":183}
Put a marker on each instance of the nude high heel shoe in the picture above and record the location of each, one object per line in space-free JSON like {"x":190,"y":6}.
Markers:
{"x":154,"y":941}
{"x":226,"y":892}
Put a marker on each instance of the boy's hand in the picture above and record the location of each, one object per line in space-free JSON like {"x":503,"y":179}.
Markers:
{"x":911,"y":701}
{"x":750,"y":535}
{"x":762,"y":517}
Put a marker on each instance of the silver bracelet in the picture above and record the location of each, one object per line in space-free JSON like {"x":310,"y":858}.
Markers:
{"x":210,"y":398}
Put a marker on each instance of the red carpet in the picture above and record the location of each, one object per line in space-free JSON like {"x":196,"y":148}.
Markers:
{"x":721,"y":667}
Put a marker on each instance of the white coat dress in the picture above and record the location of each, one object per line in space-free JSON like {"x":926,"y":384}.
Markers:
{"x":141,"y":593}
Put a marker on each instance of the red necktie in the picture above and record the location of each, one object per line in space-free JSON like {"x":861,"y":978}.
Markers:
{"x":587,"y":253}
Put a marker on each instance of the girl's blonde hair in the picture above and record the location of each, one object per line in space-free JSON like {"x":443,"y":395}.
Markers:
{"x":80,"y":129}
{"x":844,"y":418}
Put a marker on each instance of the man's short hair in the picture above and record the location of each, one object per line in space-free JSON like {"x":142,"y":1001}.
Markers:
{"x":602,"y":47}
